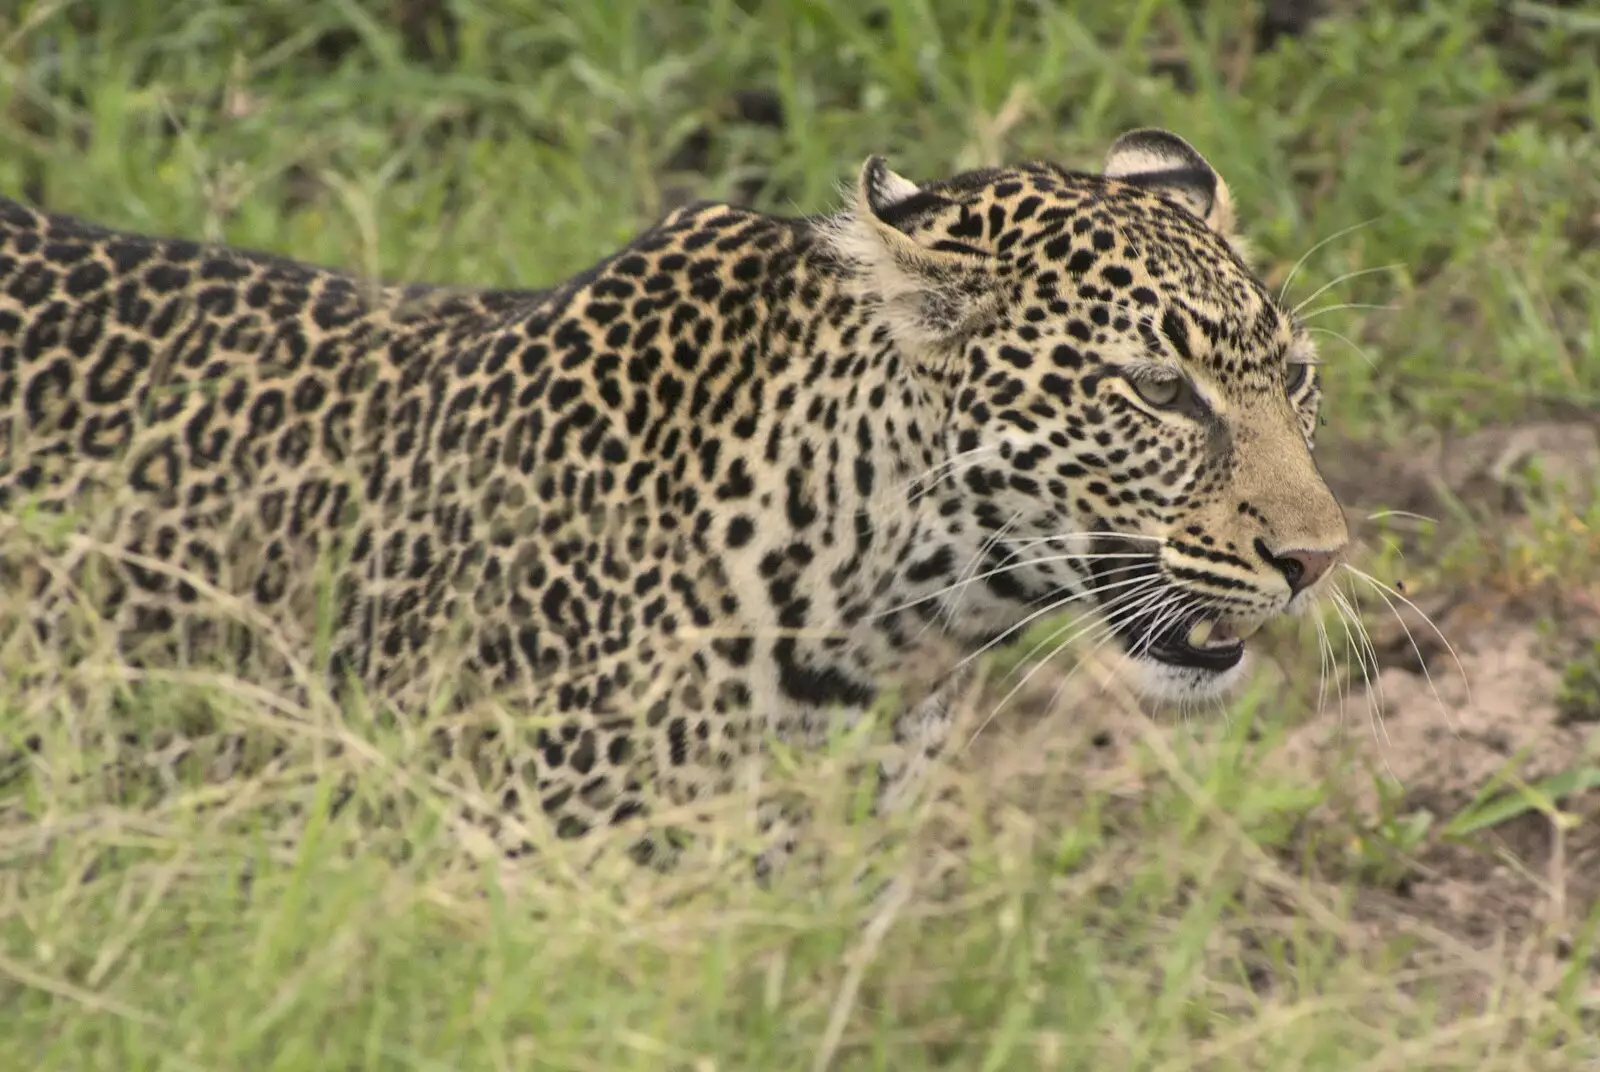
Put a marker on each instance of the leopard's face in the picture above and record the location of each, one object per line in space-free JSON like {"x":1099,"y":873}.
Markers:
{"x":1130,"y":411}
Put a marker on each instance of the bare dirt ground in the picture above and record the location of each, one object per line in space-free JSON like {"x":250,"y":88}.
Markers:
{"x":1444,"y":731}
{"x":1439,"y":725}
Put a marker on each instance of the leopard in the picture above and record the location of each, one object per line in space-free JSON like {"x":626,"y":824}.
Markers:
{"x":708,"y":496}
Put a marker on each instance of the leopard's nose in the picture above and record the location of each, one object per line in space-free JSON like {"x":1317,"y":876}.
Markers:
{"x":1301,"y":568}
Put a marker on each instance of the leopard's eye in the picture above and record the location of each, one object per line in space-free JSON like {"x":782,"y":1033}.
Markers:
{"x":1162,"y":392}
{"x":1296,"y":376}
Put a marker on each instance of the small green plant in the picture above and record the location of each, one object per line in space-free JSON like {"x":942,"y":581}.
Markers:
{"x":1578,"y":695}
{"x":1382,"y":851}
{"x":1490,"y":809}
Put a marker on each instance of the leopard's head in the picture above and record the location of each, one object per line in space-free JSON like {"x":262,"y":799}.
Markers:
{"x":1128,"y":412}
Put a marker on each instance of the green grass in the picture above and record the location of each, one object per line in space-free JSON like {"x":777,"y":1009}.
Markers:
{"x":1169,"y":913}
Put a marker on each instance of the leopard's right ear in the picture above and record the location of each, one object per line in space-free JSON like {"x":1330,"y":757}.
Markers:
{"x":1165,"y":164}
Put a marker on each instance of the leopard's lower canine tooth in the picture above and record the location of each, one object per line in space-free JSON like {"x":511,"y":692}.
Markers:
{"x":1199,"y":633}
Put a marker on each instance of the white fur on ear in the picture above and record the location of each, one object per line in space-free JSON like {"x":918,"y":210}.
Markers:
{"x":884,"y":188}
{"x":1164,"y":163}
{"x":927,"y":294}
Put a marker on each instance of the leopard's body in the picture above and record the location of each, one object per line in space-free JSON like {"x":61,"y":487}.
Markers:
{"x":720,"y":485}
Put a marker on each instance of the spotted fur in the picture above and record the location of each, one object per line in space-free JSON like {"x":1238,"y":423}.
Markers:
{"x":721,"y":485}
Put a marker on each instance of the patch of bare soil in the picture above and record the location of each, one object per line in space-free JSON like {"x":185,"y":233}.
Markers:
{"x":1440,"y":726}
{"x":1436,"y":726}
{"x":1438,"y":739}
{"x":1481,"y":471}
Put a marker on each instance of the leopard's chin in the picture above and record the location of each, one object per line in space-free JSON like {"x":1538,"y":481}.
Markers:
{"x":1177,"y":682}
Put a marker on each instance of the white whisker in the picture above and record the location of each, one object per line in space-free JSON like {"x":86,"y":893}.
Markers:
{"x":1381,"y":514}
{"x":1025,"y":540}
{"x":1101,"y":625}
{"x":1348,"y":341}
{"x":1346,"y":277}
{"x":1361,"y":646}
{"x":1048,"y":609}
{"x":1094,"y":627}
{"x":1313,"y":314}
{"x":1020,"y":563}
{"x":942,"y":471}
{"x":949,"y":613}
{"x":1083,"y":660}
{"x":1283,"y":292}
{"x":1327,"y":665}
{"x":1126,"y":606}
{"x":1384,"y":592}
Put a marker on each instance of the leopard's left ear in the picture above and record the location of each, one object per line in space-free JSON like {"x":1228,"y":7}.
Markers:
{"x":930,"y":293}
{"x":1165,"y":164}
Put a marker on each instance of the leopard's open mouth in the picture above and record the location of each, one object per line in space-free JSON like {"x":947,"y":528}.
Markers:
{"x":1149,"y":616}
{"x":1199,"y":643}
